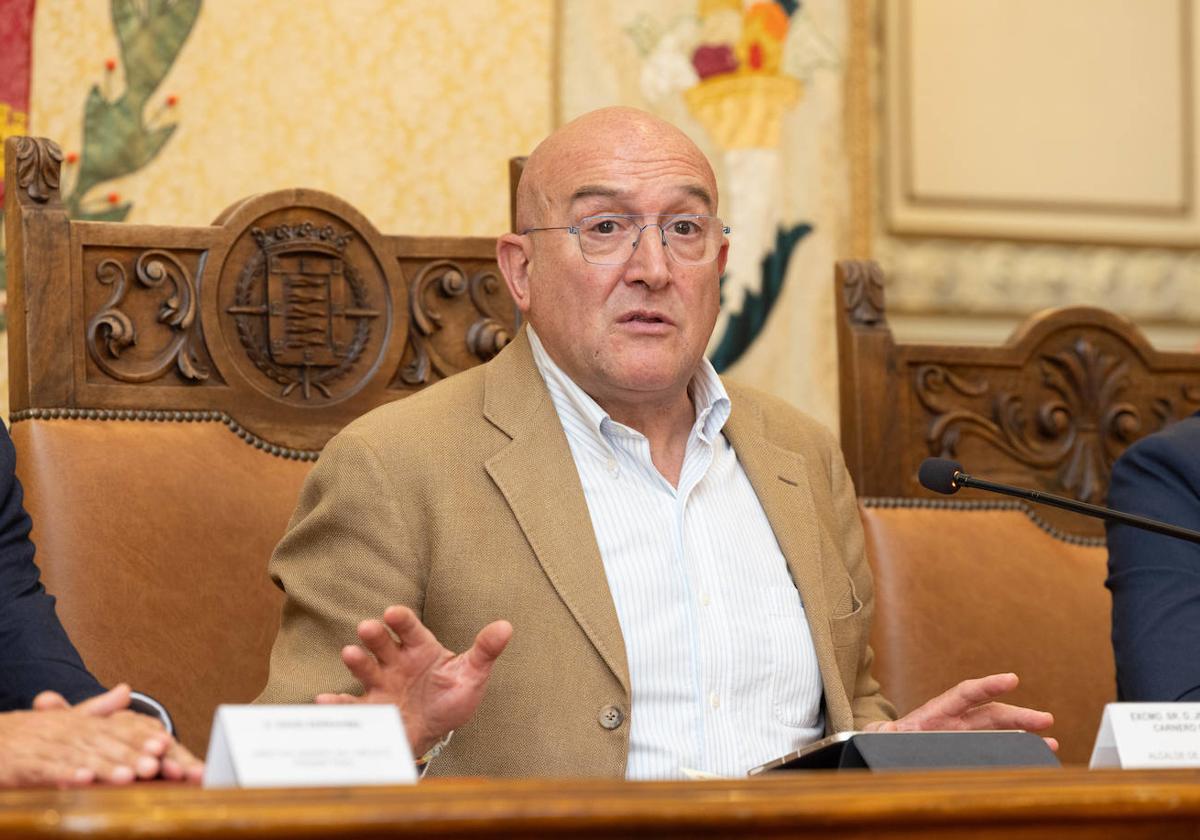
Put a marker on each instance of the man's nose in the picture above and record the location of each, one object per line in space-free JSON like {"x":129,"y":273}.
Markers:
{"x":649,"y":262}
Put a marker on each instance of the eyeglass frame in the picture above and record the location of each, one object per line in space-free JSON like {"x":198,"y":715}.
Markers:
{"x":575,"y":229}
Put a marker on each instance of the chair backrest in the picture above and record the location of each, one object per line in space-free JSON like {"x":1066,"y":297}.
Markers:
{"x":1051,"y":409}
{"x":979,"y":584}
{"x":170,"y":387}
{"x":966,"y":588}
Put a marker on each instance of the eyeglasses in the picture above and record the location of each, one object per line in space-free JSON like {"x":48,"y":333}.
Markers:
{"x":611,"y":239}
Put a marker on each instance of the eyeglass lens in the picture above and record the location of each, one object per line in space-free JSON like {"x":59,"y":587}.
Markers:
{"x":610,"y":240}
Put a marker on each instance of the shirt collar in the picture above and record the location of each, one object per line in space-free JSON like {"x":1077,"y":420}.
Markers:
{"x":705,"y":389}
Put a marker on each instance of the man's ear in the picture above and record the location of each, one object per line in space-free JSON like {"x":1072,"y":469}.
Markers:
{"x":513,"y":256}
{"x":723,"y":256}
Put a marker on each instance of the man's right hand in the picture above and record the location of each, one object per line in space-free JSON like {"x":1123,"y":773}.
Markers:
{"x":98,"y":740}
{"x":435,"y":689}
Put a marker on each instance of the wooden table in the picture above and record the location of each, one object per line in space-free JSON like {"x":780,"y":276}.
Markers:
{"x":1068,"y":803}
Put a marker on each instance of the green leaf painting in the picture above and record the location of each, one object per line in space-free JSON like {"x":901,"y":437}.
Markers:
{"x":116,"y":139}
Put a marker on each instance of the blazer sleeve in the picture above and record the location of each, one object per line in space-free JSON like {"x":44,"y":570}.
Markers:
{"x":35,"y":652}
{"x":1155,"y":579}
{"x":346,"y":556}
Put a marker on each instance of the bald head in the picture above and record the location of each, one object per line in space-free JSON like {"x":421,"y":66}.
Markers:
{"x":598,"y":137}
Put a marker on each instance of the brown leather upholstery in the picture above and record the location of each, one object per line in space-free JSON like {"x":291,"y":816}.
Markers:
{"x":170,"y":388}
{"x":966,"y":591}
{"x":155,"y":538}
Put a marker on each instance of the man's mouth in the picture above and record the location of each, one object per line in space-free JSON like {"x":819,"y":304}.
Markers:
{"x":644,"y":317}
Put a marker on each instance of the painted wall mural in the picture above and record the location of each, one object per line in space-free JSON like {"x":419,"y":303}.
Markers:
{"x":169,"y":111}
{"x":758,"y":86}
{"x":16,"y":37}
{"x":119,"y":135}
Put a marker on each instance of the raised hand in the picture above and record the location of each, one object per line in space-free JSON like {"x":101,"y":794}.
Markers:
{"x":972,"y":705}
{"x":435,"y":689}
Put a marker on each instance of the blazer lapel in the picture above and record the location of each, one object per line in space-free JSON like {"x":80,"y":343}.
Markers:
{"x":781,"y":483}
{"x":537,"y":477}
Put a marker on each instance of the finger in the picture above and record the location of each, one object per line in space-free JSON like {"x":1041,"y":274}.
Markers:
{"x":970,"y":693}
{"x":489,"y":644}
{"x":179,"y":763}
{"x":77,"y":777}
{"x":1005,"y":716}
{"x":171,"y":770}
{"x":115,"y":774}
{"x":115,"y":760}
{"x":375,"y":637}
{"x":329,"y":699}
{"x":408,"y":628}
{"x":195,"y":773}
{"x":49,"y":701}
{"x":102,"y":705}
{"x":104,"y":769}
{"x":1052,"y":743}
{"x":157,"y":744}
{"x":127,"y":739}
{"x":362,"y":667}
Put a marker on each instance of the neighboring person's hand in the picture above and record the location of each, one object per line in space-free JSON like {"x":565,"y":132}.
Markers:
{"x":435,"y":690}
{"x":98,"y":740}
{"x":971,"y":705}
{"x":175,"y":763}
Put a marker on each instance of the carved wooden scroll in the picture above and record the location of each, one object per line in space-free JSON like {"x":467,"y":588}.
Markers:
{"x":290,"y":315}
{"x":1051,"y":409}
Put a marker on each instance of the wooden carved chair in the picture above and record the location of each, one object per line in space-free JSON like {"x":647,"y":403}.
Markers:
{"x":978,"y":583}
{"x":171,"y":387}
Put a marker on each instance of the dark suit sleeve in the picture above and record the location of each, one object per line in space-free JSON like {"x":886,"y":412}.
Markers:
{"x":1155,"y":579}
{"x":35,"y":653}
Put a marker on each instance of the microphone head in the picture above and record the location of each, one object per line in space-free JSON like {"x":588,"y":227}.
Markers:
{"x":938,"y":475}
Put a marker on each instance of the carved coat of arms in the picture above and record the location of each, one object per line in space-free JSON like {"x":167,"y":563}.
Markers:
{"x":302,"y":311}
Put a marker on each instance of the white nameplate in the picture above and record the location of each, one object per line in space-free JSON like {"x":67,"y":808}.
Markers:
{"x":308,"y":746}
{"x":1147,"y":735}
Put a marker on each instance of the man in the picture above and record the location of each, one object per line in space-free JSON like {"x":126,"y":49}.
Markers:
{"x":680,"y":568}
{"x":1155,"y":579}
{"x":55,"y":743}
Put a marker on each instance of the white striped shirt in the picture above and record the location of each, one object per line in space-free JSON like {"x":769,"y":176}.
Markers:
{"x":722,"y":668}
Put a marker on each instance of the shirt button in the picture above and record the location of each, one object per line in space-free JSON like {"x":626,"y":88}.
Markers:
{"x":611,"y":464}
{"x":611,"y":717}
{"x":714,"y":700}
{"x":704,"y":599}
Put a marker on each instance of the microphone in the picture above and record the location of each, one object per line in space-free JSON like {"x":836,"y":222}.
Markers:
{"x":941,"y":475}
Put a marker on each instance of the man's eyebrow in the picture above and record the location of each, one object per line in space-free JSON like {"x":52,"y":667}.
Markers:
{"x":697,"y":191}
{"x":595,"y":191}
{"x":591,"y":191}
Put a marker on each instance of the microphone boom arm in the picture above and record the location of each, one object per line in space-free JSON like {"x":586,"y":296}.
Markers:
{"x":963,"y":480}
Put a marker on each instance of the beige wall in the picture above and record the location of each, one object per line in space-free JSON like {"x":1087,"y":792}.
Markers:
{"x":1036,"y":154}
{"x":411,"y":109}
{"x":406,"y":108}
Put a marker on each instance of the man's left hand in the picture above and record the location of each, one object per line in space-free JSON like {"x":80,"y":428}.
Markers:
{"x":971,"y":705}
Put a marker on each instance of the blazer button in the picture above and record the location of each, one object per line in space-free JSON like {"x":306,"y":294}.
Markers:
{"x":611,"y":717}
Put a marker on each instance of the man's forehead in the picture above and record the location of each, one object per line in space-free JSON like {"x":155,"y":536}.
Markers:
{"x":618,"y":154}
{"x":683,"y":192}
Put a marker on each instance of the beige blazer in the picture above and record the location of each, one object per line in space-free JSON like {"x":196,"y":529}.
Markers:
{"x":464,"y":503}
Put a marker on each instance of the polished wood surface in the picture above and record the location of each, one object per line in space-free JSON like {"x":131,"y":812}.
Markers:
{"x":1071,"y":803}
